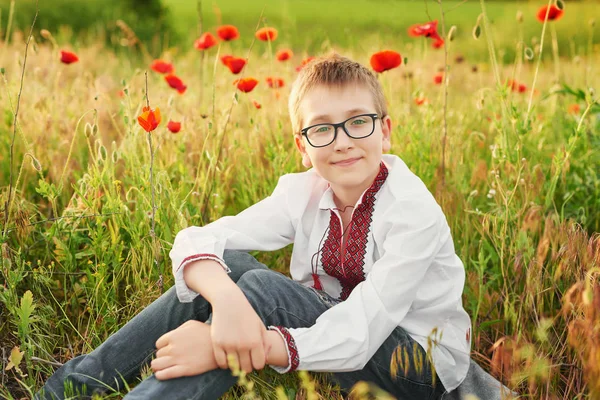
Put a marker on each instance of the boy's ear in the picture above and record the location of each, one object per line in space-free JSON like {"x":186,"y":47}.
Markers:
{"x":300,"y":146}
{"x":386,"y":129}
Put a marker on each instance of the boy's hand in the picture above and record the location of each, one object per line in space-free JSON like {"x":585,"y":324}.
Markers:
{"x":237,"y":331}
{"x":184,"y":351}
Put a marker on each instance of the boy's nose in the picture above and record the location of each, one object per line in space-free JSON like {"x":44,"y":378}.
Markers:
{"x":342,"y":140}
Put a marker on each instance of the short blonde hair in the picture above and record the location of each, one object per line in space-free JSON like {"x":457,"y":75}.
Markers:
{"x":337,"y":71}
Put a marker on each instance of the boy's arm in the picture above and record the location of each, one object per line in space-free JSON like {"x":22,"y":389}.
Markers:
{"x":265,"y":226}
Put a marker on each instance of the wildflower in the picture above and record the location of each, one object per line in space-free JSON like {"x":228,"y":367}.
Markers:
{"x":206,"y":41}
{"x":173,"y":126}
{"x":235,"y":64}
{"x":438,"y":79}
{"x":438,"y":43}
{"x":491,"y":193}
{"x":275,"y":82}
{"x":68,"y":57}
{"x":149,"y":119}
{"x":224,"y":58}
{"x":228,"y":32}
{"x":162,"y":67}
{"x":266,"y":34}
{"x":385,"y":60}
{"x":428,"y":30}
{"x":522,"y":88}
{"x":246,"y":85}
{"x":421,"y":100}
{"x":176,"y":83}
{"x":554,"y":13}
{"x":304,"y":62}
{"x":121,"y":93}
{"x":256,"y":104}
{"x":574,"y":109}
{"x":284,"y":54}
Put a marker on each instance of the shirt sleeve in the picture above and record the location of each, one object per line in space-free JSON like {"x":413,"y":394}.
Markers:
{"x":345,"y":337}
{"x":265,"y":226}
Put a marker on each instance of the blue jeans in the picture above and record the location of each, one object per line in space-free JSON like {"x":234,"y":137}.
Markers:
{"x":277,"y":300}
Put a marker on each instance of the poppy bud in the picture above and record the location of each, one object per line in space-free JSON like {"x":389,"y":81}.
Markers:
{"x":476,"y":32}
{"x":87,"y":130}
{"x":35,"y":163}
{"x":560,"y":4}
{"x":102,"y":153}
{"x":46,"y":34}
{"x":94,"y":130}
{"x":452,"y":33}
{"x":528,"y":53}
{"x":519,"y":16}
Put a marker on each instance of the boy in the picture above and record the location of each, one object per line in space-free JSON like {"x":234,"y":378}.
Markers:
{"x":373,"y":267}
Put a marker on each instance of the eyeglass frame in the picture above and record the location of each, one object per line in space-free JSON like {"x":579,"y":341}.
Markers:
{"x":375,"y":116}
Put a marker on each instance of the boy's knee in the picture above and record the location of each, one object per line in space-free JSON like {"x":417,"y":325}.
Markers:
{"x":258,"y":285}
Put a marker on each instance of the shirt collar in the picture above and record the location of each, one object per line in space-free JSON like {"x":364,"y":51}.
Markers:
{"x":327,"y":202}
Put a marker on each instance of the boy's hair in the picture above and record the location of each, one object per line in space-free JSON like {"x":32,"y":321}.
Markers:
{"x":337,"y":71}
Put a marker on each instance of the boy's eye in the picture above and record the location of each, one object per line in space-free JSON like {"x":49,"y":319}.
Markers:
{"x":321,"y":129}
{"x":358,"y":121}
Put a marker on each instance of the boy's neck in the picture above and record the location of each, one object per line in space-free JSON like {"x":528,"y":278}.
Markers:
{"x":349,"y":196}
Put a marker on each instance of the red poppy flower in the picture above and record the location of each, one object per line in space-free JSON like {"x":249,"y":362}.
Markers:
{"x":304,"y":62}
{"x":385,"y":60}
{"x":522,"y":88}
{"x":554,"y":13}
{"x":438,"y":79}
{"x":574,"y":109}
{"x":275,"y":82}
{"x":68,"y":57}
{"x":246,"y":84}
{"x":421,"y":100}
{"x":176,"y":83}
{"x":206,"y":41}
{"x":162,"y":67}
{"x":256,"y":104}
{"x":228,"y":32}
{"x":235,"y":64}
{"x":121,"y":93}
{"x":438,"y":43}
{"x":149,"y":119}
{"x":284,"y":54}
{"x":428,"y":29}
{"x":266,"y":34}
{"x":224,"y":58}
{"x":174,"y":127}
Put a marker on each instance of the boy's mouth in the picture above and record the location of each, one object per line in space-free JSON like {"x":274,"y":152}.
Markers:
{"x":348,"y":161}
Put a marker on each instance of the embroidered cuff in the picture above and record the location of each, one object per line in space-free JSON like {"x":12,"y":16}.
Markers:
{"x":205,"y":256}
{"x":293,"y":359}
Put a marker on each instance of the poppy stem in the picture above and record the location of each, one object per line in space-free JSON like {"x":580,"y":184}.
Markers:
{"x":445,"y":108}
{"x":7,"y":204}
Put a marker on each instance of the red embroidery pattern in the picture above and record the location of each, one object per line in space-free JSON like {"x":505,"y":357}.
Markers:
{"x":291,"y":346}
{"x":197,"y":257}
{"x":350,"y":272}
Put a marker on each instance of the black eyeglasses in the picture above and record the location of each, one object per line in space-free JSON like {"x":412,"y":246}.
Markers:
{"x":356,"y":127}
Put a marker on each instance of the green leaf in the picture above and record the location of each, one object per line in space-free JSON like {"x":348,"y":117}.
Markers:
{"x":14,"y":359}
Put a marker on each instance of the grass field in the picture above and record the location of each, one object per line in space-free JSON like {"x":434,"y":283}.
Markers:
{"x":520,"y":182}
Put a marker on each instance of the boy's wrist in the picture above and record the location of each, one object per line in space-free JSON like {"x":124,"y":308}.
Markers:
{"x":277,"y":353}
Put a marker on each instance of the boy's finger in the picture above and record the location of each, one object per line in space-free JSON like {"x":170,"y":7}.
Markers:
{"x":162,"y":341}
{"x":258,"y":357}
{"x":170,"y":373}
{"x":163,"y":351}
{"x":161,"y":363}
{"x":220,"y":357}
{"x":245,"y":361}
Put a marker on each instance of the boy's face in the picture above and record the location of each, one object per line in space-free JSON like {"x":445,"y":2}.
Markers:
{"x":324,"y":104}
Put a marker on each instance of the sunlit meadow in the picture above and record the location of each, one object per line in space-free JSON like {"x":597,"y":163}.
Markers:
{"x":501,"y":121}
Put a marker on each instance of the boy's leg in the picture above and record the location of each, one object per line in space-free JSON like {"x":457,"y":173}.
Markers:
{"x":277,"y":300}
{"x":120,"y":358}
{"x":411,"y":377}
